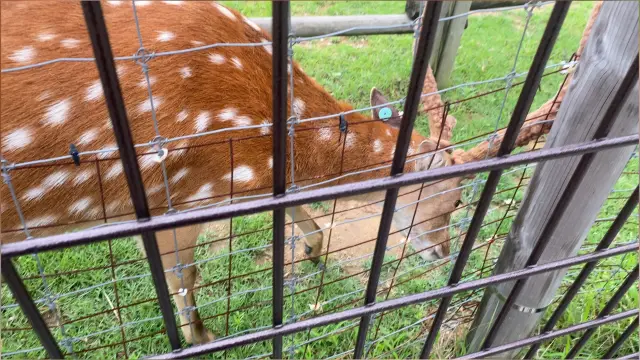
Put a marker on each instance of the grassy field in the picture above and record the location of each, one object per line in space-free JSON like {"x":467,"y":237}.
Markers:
{"x":348,"y":68}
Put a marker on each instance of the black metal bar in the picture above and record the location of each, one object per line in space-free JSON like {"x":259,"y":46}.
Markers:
{"x":165,"y":222}
{"x":12,"y":278}
{"x":104,"y":60}
{"x":416,"y":82}
{"x":620,"y":340}
{"x":629,"y":81}
{"x":606,"y":241}
{"x":393,"y":304}
{"x":634,"y":356}
{"x":590,"y":325}
{"x":610,"y":306}
{"x":280,"y":26}
{"x":518,"y":117}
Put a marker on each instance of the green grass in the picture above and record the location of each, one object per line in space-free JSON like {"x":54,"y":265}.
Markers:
{"x":348,"y":68}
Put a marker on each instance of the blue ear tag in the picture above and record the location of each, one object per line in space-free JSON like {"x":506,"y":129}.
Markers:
{"x":384,"y":114}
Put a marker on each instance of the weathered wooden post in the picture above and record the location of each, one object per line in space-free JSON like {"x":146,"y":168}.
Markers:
{"x":610,"y":50}
{"x":449,"y":41}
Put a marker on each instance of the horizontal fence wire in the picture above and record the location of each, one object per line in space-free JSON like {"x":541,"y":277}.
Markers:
{"x":296,"y":40}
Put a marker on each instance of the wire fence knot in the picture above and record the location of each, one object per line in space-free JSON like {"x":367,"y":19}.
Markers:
{"x":143,"y":56}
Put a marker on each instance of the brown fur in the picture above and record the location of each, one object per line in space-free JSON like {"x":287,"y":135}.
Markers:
{"x":28,"y":95}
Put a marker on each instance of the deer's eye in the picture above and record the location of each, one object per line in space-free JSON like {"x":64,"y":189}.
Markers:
{"x":458,"y":202}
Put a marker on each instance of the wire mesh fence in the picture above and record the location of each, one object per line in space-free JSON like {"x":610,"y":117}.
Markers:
{"x":253,"y":273}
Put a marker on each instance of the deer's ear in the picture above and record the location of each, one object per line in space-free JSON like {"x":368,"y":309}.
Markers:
{"x":432,"y":160}
{"x":388,"y":113}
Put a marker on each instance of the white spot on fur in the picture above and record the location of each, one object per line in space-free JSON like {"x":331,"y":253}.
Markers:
{"x":182,"y":146}
{"x":271,"y":163}
{"x":205,"y":191}
{"x":35,"y":193}
{"x":389,"y":132}
{"x":182,"y":115}
{"x":146,"y":105}
{"x":173,"y":2}
{"x":251,"y":23}
{"x":185,"y":72}
{"x":202,"y":121}
{"x":217,"y":59}
{"x":393,"y":151}
{"x":143,"y":83}
{"x":147,"y":162}
{"x":44,"y":96}
{"x":196,"y":43}
{"x":324,"y":134}
{"x":115,"y":3}
{"x":46,"y":37}
{"x":236,"y":62}
{"x":57,"y":113}
{"x":42,"y":220}
{"x":17,"y":139}
{"x":24,"y":55}
{"x":107,"y":154}
{"x":80,"y":206}
{"x":121,"y":69}
{"x":242,"y":121}
{"x":351,"y":140}
{"x":179,"y":175}
{"x":113,"y":171}
{"x":94,"y":91}
{"x":88,"y":136}
{"x":112,"y":207}
{"x":164,"y":36}
{"x":56,"y":179}
{"x":227,"y":114}
{"x":241,"y":173}
{"x":377,"y":146}
{"x":266,"y":129}
{"x":82,"y":177}
{"x":143,"y":3}
{"x":70,"y":43}
{"x":226,"y":12}
{"x":298,"y":107}
{"x":154,"y":189}
{"x":267,"y":47}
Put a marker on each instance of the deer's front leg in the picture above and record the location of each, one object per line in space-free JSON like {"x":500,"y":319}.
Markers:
{"x":311,"y":230}
{"x":181,"y":283}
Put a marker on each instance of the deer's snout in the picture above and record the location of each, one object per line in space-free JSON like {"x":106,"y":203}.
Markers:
{"x":432,"y":247}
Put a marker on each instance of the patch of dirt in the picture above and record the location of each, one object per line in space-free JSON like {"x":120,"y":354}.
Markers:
{"x":345,"y":235}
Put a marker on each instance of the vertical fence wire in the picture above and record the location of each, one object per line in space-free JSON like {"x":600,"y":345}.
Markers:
{"x":159,"y":142}
{"x":519,"y":115}
{"x":110,"y":84}
{"x":445,"y":111}
{"x":418,"y":74}
{"x":48,"y":294}
{"x":292,"y":280}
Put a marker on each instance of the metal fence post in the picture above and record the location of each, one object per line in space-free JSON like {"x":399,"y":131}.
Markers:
{"x":280,"y":26}
{"x":115,"y":103}
{"x":418,"y":74}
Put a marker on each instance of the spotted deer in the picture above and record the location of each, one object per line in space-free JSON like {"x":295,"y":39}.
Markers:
{"x":47,"y":108}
